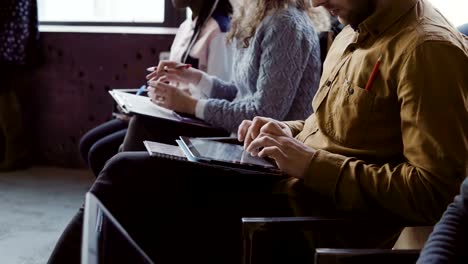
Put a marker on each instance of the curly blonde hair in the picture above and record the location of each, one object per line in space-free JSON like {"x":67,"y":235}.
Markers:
{"x":248,"y":14}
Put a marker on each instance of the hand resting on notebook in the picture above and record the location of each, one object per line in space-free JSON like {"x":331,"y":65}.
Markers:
{"x":171,"y":97}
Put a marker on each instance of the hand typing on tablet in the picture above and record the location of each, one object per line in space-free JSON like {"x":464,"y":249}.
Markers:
{"x":265,"y":137}
{"x":249,"y":130}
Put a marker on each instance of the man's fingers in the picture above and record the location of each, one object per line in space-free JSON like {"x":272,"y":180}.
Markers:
{"x":262,"y":141}
{"x":272,"y":128}
{"x":273,"y":152}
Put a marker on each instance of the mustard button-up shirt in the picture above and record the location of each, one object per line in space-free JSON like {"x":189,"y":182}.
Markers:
{"x":402,"y":144}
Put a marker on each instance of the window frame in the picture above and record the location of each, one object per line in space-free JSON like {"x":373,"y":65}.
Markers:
{"x":173,"y":17}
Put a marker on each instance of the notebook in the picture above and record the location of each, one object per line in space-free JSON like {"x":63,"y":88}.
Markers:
{"x":142,"y":105}
{"x":105,"y":241}
{"x":159,"y":149}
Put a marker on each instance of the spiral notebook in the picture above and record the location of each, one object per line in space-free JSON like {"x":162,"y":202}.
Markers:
{"x":159,"y":149}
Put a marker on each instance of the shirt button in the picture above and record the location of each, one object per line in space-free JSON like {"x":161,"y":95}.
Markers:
{"x":328,"y":83}
{"x":350,"y":91}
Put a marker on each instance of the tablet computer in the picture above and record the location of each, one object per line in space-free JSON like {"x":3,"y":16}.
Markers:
{"x":223,"y":153}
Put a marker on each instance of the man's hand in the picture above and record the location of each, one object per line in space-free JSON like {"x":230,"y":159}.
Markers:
{"x":171,"y":97}
{"x":291,"y":155}
{"x":249,"y":130}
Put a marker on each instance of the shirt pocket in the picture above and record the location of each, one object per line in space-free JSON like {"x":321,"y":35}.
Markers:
{"x":350,"y":115}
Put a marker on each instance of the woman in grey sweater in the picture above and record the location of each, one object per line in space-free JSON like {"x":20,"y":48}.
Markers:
{"x":276,"y":73}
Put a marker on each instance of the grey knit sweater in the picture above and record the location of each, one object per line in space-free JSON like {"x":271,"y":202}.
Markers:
{"x":276,"y":76}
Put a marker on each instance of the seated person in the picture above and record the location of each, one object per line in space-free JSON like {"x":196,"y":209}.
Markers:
{"x":448,"y":243}
{"x":200,"y":41}
{"x":388,"y":137}
{"x":276,"y":73}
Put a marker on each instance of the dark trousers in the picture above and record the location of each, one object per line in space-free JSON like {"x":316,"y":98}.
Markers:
{"x":99,"y":144}
{"x":179,"y":211}
{"x":163,"y":131}
{"x":186,"y":212}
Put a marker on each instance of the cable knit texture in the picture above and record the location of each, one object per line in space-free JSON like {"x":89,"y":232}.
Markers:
{"x":448,"y":243}
{"x":276,"y":76}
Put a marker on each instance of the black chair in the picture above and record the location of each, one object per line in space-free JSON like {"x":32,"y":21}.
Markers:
{"x":365,"y":256}
{"x":281,"y":240}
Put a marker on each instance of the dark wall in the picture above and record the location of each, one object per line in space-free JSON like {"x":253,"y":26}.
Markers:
{"x":66,"y":95}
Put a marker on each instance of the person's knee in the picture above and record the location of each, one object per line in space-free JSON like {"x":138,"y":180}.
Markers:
{"x":127,"y":163}
{"x":136,"y":133}
{"x":135,"y":122}
{"x":96,"y":159}
{"x":85,"y":146}
{"x":117,"y":164}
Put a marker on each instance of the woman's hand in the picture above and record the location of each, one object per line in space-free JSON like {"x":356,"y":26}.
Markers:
{"x":171,"y":97}
{"x":176,"y":72}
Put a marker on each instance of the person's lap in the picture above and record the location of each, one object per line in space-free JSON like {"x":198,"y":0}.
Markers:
{"x":163,"y":131}
{"x":188,"y":206}
{"x":181,"y":211}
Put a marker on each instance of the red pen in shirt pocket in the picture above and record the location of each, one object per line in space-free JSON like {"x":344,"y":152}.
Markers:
{"x":375,"y":70}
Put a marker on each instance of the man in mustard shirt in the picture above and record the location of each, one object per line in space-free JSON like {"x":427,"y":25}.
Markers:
{"x":391,"y":121}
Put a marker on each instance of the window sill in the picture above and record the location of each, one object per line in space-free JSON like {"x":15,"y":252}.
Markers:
{"x":109,"y":29}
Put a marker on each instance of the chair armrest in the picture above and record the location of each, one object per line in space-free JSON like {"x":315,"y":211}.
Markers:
{"x":364,"y":256}
{"x":251,"y":225}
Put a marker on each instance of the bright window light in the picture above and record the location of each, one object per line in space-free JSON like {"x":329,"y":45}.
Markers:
{"x":453,"y":10}
{"x":143,"y":11}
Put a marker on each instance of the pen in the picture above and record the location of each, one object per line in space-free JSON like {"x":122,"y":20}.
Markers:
{"x":178,"y":67}
{"x":141,"y":90}
{"x":373,"y":74}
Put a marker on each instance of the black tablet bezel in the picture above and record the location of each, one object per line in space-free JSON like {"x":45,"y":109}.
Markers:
{"x":198,"y":157}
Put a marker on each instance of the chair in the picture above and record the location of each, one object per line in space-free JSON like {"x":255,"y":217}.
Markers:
{"x":365,"y":256}
{"x":261,"y":234}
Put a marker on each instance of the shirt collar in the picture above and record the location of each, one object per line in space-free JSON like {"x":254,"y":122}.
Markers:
{"x":381,"y":20}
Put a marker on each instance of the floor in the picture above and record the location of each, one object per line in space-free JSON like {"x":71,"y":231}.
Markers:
{"x":35,"y":206}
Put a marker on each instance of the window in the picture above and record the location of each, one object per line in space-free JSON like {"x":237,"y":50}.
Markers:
{"x":453,"y":10}
{"x":109,"y":12}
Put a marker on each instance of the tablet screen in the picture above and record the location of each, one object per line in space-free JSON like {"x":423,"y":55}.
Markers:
{"x":217,"y":151}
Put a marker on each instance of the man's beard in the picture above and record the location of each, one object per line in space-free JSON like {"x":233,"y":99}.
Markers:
{"x":361,"y":12}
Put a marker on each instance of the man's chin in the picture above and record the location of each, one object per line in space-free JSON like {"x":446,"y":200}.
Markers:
{"x":343,"y":21}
